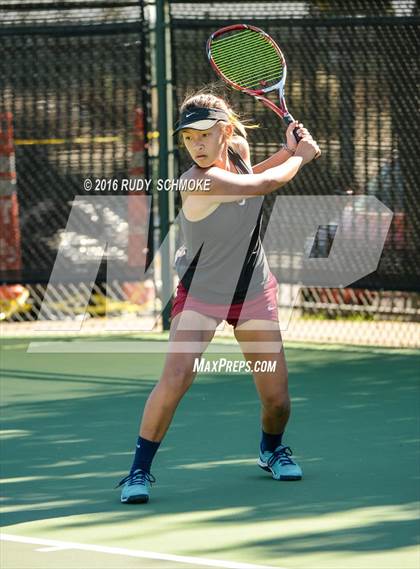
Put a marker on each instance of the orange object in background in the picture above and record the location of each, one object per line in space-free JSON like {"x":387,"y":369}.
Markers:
{"x":12,"y":292}
{"x":10,"y":250}
{"x":137,"y":210}
{"x":14,"y":299}
{"x":139,"y":292}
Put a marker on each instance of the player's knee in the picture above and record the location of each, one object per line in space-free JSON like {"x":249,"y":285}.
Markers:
{"x":179,"y":377}
{"x":277,"y":405}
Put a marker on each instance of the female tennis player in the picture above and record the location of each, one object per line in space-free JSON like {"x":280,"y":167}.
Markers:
{"x":227,"y":220}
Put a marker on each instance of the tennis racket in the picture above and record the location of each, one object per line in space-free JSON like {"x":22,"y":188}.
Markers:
{"x":249,"y":60}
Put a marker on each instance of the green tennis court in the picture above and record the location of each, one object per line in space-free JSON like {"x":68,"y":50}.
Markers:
{"x":69,"y":423}
{"x":93,"y":247}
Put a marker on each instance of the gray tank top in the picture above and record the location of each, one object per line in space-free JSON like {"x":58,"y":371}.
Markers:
{"x":223,"y":251}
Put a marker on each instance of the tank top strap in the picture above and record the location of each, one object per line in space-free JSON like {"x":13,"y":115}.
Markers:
{"x":238,"y":161}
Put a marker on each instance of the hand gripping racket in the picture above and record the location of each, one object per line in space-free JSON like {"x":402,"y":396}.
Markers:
{"x":249,"y":60}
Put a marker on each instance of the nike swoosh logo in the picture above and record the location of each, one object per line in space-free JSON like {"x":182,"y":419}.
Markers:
{"x":189,"y":114}
{"x":137,"y":446}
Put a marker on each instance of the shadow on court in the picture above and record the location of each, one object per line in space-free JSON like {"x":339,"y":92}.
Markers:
{"x":69,"y":425}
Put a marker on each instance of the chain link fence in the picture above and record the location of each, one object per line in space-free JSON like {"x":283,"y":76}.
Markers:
{"x":351,"y":79}
{"x":74,"y":75}
{"x":74,"y":79}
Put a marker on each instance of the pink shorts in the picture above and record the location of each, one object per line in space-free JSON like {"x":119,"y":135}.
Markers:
{"x":261,"y":307}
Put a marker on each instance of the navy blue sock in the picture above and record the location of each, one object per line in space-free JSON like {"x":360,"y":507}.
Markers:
{"x":145,"y":452}
{"x":270,"y":442}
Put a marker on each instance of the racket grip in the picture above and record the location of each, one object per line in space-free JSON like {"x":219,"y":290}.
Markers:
{"x":295,"y":134}
{"x":289,"y":119}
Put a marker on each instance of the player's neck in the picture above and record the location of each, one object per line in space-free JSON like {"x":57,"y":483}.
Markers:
{"x":223,"y":161}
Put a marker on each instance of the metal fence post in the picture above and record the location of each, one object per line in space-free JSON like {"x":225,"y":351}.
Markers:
{"x":165,"y":199}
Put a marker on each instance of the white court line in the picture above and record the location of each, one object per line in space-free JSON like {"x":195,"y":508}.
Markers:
{"x":56,"y":548}
{"x":57,"y":545}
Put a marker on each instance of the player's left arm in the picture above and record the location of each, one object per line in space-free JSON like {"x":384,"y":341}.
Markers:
{"x":281,"y":155}
{"x":240,"y":145}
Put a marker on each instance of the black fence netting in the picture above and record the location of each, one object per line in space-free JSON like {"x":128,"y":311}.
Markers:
{"x":74,"y":77}
{"x":352,"y":76}
{"x":68,"y":12}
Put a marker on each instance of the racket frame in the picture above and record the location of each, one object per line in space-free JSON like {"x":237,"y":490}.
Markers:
{"x":280,"y":110}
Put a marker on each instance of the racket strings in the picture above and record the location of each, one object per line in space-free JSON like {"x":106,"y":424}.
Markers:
{"x":254,"y":75}
{"x":239,"y":41}
{"x":251,"y":72}
{"x":237,"y":38}
{"x":223,"y":52}
{"x":229,"y":63}
{"x":248,"y":59}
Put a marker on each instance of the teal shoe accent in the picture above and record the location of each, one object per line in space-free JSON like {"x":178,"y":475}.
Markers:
{"x":136,"y":487}
{"x":280,"y":464}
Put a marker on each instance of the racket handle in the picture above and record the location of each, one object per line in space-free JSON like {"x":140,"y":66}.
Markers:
{"x":289,"y":119}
